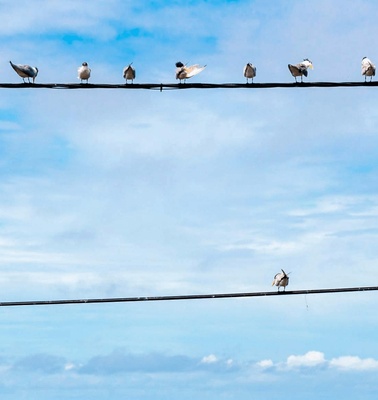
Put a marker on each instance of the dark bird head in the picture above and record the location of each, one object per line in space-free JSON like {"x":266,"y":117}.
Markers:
{"x":84,"y":64}
{"x":179,"y":64}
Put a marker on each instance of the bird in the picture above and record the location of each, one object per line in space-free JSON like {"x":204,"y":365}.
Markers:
{"x":249,"y":71}
{"x":367,"y":68}
{"x":84,"y":72}
{"x":129,"y":73}
{"x":25,"y":71}
{"x":184,"y":72}
{"x":300,"y":69}
{"x":281,"y":279}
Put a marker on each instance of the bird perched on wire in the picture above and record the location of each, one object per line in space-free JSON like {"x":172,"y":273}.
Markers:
{"x":25,"y":71}
{"x":184,"y":72}
{"x":249,"y":71}
{"x":84,"y":72}
{"x":300,"y":69}
{"x":367,"y":68}
{"x":129,"y":73}
{"x":281,"y":279}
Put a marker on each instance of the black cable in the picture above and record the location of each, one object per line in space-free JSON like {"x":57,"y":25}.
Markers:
{"x":185,"y":297}
{"x":178,"y":86}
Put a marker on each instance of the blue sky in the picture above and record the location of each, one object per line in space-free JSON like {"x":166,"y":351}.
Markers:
{"x":120,"y":193}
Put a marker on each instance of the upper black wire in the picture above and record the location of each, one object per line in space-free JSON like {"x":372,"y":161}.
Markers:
{"x":178,"y":86}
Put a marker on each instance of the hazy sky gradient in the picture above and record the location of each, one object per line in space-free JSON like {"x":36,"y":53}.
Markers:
{"x":119,"y":193}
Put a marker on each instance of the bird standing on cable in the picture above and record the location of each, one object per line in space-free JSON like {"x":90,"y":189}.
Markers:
{"x":281,"y":279}
{"x":184,"y":72}
{"x":129,"y":73}
{"x":367,"y":68}
{"x":25,"y":71}
{"x":84,"y":72}
{"x":300,"y":69}
{"x":249,"y":71}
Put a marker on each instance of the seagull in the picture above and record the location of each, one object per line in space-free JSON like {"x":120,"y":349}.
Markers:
{"x":300,"y":69}
{"x":129,"y":73}
{"x":281,"y":279}
{"x":249,"y":71}
{"x":84,"y":72}
{"x":184,"y":72}
{"x":367,"y":68}
{"x":25,"y":71}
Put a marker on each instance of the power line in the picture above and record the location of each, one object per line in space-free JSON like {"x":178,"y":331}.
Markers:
{"x":179,"y":86}
{"x":185,"y":297}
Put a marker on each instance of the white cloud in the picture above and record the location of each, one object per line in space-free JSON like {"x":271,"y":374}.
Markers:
{"x":314,"y":359}
{"x":353,"y":363}
{"x":69,"y":366}
{"x":210,"y":359}
{"x":265,"y":364}
{"x":310,"y":359}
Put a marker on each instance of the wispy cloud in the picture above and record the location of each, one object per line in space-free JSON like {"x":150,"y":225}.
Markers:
{"x":121,"y":362}
{"x":42,"y":363}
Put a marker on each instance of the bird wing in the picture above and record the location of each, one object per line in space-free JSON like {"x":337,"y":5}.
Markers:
{"x":367,"y":67}
{"x":298,"y":69}
{"x":249,"y":71}
{"x":294,"y":70}
{"x":193,"y":70}
{"x":84,"y":72}
{"x":181,"y":73}
{"x":302,"y":69}
{"x":129,"y":72}
{"x":25,"y":71}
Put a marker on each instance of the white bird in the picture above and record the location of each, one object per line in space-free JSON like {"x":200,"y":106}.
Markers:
{"x":249,"y":71}
{"x":300,"y":69}
{"x":84,"y":72}
{"x":281,"y":279}
{"x":184,"y":72}
{"x":367,"y":68}
{"x":25,"y":71}
{"x":129,"y":73}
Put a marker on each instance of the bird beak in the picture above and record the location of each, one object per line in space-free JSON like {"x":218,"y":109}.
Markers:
{"x":311,"y":66}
